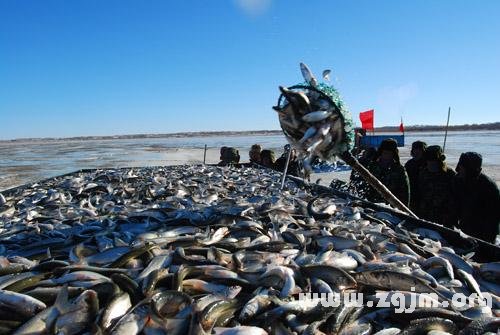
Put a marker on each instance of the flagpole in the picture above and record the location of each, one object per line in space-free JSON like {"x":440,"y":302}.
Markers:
{"x":446,"y":129}
{"x":373,"y":123}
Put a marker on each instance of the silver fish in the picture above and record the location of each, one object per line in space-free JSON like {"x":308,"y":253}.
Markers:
{"x":326,"y":74}
{"x":316,"y":116}
{"x":307,"y":74}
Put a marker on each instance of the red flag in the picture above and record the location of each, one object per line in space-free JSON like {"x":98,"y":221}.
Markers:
{"x":401,"y":127}
{"x":366,"y":119}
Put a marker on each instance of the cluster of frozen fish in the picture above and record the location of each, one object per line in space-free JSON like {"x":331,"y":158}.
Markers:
{"x":220,"y":250}
{"x":314,"y":119}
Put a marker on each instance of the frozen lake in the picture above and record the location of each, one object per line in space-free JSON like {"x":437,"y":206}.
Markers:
{"x":28,"y":161}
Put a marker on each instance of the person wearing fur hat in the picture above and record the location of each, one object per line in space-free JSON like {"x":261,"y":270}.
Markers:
{"x":254,"y":153}
{"x":293,"y":166}
{"x":387,"y":168}
{"x":229,"y":156}
{"x":267,"y":158}
{"x":477,"y":199}
{"x":413,"y":168}
{"x":435,"y":186}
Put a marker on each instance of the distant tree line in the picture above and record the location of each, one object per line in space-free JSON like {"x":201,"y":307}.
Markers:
{"x":483,"y":126}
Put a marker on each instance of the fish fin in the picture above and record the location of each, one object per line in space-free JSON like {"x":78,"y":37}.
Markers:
{"x":62,"y":303}
{"x":469,"y":255}
{"x":120,"y":243}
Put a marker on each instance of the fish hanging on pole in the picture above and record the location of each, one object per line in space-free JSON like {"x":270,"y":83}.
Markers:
{"x":317,"y":124}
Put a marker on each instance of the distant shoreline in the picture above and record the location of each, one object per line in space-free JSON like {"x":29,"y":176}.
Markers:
{"x":417,"y":128}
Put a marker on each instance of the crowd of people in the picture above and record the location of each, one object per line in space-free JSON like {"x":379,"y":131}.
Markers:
{"x":265,"y":158}
{"x":465,"y":197}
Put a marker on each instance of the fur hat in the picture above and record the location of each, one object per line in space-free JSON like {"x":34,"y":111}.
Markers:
{"x":472,"y":162}
{"x":391,"y":145}
{"x":231,"y":155}
{"x":434,"y":153}
{"x":256,"y":148}
{"x":222,"y":149}
{"x":268,"y":154}
{"x":419,"y":145}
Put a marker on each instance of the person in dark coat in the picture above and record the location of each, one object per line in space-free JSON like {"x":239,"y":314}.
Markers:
{"x":267,"y":158}
{"x":435,"y":185}
{"x":388,"y":169}
{"x":413,"y":167}
{"x":293,"y":166}
{"x":229,"y":156}
{"x":254,"y":153}
{"x":477,"y":199}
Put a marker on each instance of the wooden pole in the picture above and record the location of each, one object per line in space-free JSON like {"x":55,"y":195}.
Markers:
{"x":446,"y":129}
{"x":205,"y":154}
{"x":286,"y":169}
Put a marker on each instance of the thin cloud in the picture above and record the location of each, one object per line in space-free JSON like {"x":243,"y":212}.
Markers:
{"x":392,"y":101}
{"x":254,"y":7}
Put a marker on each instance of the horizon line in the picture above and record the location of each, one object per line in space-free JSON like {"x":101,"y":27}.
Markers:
{"x":495,"y":125}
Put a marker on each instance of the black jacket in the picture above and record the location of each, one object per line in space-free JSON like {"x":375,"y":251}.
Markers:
{"x":436,"y":196}
{"x":293,"y":166}
{"x":413,"y":168}
{"x":394,"y":177}
{"x":478,"y":206}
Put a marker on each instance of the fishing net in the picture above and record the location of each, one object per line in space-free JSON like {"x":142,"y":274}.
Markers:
{"x":328,"y":130}
{"x":317,"y":124}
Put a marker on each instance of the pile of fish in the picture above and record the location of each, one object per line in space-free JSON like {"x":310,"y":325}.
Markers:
{"x":220,"y":250}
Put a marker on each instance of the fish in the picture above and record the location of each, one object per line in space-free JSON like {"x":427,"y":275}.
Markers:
{"x":316,"y":117}
{"x":388,"y":331}
{"x":335,"y":277}
{"x":23,"y":304}
{"x":165,"y":255}
{"x":430,"y":324}
{"x":118,"y":306}
{"x":254,"y":306}
{"x":216,"y":314}
{"x":284,"y":274}
{"x":326,"y":74}
{"x":78,"y":316}
{"x":133,"y":322}
{"x":43,"y":321}
{"x":394,"y":281}
{"x":490,"y":271}
{"x":240,"y":330}
{"x":307,"y":74}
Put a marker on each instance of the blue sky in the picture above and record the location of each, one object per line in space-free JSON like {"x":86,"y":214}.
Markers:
{"x":93,"y":67}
